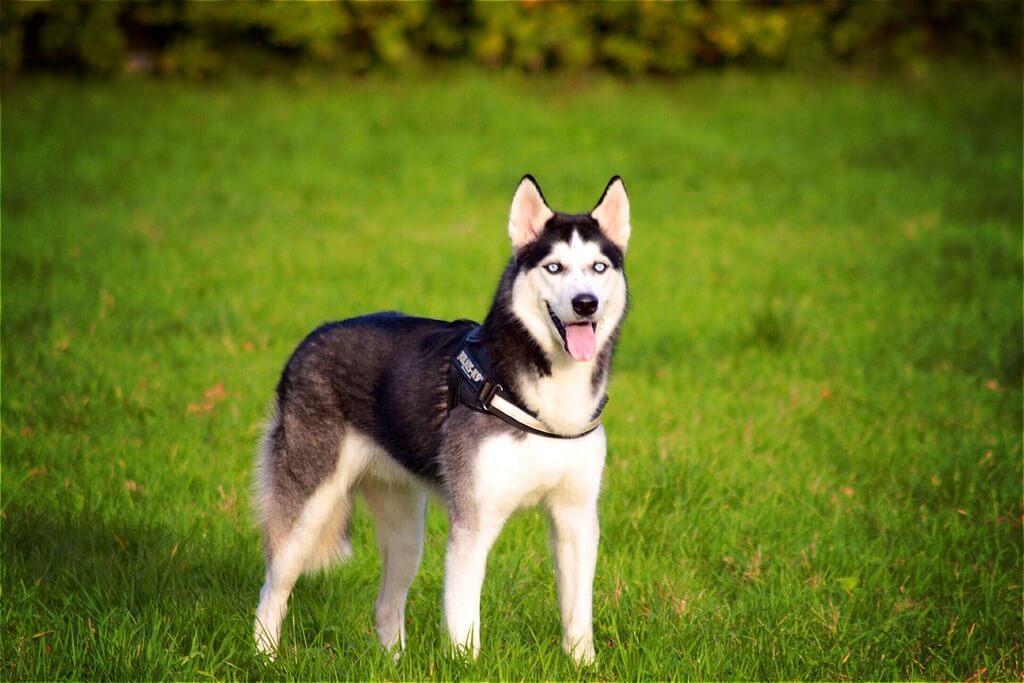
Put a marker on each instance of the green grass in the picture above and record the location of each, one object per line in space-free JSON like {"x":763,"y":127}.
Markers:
{"x":814,"y":466}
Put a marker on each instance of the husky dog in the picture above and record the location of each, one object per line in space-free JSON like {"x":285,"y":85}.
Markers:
{"x":492,"y":418}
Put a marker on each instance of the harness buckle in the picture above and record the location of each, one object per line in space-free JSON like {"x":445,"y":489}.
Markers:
{"x":487,"y":392}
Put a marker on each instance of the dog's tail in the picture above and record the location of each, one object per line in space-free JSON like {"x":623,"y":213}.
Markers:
{"x":280,"y":513}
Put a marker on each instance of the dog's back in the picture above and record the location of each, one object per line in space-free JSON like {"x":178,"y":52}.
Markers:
{"x":382,"y":376}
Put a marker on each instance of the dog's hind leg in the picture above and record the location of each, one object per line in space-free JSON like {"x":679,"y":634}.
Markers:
{"x":398,"y":514}
{"x":290,"y":559}
{"x":315,"y":534}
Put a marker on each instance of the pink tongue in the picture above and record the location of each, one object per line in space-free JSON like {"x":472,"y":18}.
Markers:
{"x":580,"y":340}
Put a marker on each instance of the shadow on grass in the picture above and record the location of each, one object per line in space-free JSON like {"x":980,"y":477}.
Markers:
{"x":59,"y":548}
{"x":83,"y":585}
{"x":94,"y":595}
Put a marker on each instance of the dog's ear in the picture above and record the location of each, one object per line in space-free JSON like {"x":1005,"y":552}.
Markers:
{"x":528,"y":214}
{"x":612,"y":213}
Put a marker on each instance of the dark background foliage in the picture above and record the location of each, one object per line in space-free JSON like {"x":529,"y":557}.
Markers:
{"x":203,"y":39}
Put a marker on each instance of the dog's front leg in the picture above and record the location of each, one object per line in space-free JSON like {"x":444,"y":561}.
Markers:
{"x":465,"y":563}
{"x":574,"y":539}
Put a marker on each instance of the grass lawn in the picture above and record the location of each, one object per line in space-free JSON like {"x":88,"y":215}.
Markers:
{"x":814,"y":464}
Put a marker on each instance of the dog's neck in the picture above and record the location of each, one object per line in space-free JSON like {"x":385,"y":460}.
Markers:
{"x":564,"y":393}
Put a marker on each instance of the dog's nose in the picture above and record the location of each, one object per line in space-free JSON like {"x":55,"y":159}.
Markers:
{"x":584,"y":304}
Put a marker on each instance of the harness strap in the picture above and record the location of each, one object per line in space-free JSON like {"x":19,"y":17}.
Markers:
{"x":470,"y":385}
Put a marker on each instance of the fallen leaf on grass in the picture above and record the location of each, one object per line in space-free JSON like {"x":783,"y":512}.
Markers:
{"x":211,"y":396}
{"x":904,"y":605}
{"x":228,"y":501}
{"x":215,"y":393}
{"x":753,"y":570}
{"x":976,"y":676}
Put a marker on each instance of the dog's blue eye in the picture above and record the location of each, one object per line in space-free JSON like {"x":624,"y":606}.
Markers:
{"x":600,"y":267}
{"x":553,"y":268}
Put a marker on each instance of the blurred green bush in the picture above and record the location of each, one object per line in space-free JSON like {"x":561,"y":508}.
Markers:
{"x":205,"y":38}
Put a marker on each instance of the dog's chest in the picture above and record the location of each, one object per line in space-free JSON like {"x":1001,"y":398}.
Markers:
{"x":513,"y":472}
{"x":567,"y":399}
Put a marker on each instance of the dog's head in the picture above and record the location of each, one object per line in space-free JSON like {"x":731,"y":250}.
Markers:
{"x":569,"y":289}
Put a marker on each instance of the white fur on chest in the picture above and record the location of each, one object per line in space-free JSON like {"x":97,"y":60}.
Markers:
{"x":514,"y":473}
{"x":565,"y":400}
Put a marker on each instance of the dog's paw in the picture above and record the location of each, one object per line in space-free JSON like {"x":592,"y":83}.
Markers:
{"x":396,"y":650}
{"x":581,"y":650}
{"x":266,"y":641}
{"x":464,"y":651}
{"x":266,"y":652}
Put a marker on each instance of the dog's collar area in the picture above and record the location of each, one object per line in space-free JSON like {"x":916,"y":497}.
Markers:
{"x":471,"y":382}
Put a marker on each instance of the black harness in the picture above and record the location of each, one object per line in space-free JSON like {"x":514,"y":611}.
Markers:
{"x":471,"y":382}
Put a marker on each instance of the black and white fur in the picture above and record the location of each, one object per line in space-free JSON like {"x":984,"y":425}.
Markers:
{"x":361,"y":407}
